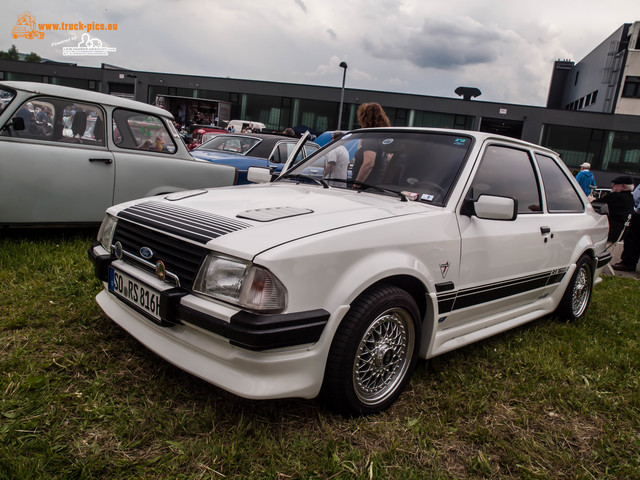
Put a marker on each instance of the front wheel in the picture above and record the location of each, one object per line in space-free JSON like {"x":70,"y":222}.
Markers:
{"x":374,"y":352}
{"x":576,"y":298}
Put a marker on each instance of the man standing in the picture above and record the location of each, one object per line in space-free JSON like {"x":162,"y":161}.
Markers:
{"x":337,"y":164}
{"x":585,"y":178}
{"x":631,"y":252}
{"x":620,"y":204}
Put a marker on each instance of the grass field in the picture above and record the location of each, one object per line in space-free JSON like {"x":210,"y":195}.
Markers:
{"x":82,"y":399}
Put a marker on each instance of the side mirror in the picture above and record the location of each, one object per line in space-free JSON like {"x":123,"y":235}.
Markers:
{"x":17,"y":123}
{"x":259,"y":175}
{"x":491,"y":207}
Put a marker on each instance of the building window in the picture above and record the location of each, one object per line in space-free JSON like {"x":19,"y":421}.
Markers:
{"x":631,"y":87}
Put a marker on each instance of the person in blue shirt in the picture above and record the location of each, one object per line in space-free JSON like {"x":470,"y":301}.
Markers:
{"x":585,"y":178}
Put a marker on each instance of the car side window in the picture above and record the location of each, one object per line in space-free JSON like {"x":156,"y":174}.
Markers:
{"x":62,"y":120}
{"x":507,"y":172}
{"x":559,"y":192}
{"x":140,"y":131}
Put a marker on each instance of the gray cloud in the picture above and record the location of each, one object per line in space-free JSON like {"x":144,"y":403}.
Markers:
{"x":331,"y":33}
{"x":443,"y":45}
{"x":301,"y":4}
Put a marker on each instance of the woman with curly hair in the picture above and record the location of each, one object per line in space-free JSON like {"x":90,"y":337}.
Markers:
{"x":369,"y":163}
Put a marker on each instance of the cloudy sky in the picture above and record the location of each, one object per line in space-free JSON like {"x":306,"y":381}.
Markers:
{"x":505,"y":48}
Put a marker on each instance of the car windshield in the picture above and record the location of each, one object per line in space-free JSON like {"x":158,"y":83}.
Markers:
{"x":230,"y":144}
{"x":422,"y":166}
{"x":5,"y":98}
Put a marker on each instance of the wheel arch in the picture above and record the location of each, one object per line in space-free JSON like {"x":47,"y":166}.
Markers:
{"x":420,"y":293}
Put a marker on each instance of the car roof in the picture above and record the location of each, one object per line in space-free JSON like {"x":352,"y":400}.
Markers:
{"x":479,"y":136}
{"x":84,"y":96}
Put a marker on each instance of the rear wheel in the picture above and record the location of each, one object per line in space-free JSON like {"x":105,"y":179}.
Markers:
{"x":373,"y":353}
{"x":576,"y":298}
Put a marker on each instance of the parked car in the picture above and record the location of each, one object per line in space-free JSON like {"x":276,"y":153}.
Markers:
{"x":67,"y":154}
{"x":202,"y":133}
{"x":239,"y":126}
{"x":296,"y":287}
{"x":244,"y":150}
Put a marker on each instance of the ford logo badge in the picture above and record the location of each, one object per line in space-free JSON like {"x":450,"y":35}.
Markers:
{"x":146,"y":253}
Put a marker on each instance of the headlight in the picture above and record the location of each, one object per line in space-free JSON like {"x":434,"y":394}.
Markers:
{"x":105,"y":234}
{"x":241,"y":283}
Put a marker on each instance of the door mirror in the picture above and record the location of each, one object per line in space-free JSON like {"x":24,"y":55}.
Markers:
{"x":16,"y":123}
{"x":259,"y":175}
{"x":491,"y":207}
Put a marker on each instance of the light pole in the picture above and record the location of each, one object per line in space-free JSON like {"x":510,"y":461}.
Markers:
{"x":344,"y":76}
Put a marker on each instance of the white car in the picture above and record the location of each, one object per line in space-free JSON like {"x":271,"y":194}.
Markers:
{"x":68,"y":154}
{"x":298,"y":287}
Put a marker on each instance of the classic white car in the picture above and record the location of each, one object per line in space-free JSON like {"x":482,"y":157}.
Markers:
{"x":67,"y":154}
{"x":302,"y":287}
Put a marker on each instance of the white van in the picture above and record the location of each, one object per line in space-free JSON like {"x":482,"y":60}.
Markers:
{"x":240,"y":125}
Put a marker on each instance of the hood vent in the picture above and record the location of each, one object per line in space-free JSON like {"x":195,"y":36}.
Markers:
{"x":271,"y":214}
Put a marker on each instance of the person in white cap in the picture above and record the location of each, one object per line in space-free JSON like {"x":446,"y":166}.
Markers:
{"x":585,"y":178}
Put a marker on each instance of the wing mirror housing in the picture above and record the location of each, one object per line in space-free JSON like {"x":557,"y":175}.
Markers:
{"x":491,"y":207}
{"x":16,"y":123}
{"x":259,"y":175}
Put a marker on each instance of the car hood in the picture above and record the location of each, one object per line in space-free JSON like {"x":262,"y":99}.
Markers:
{"x":249,"y":219}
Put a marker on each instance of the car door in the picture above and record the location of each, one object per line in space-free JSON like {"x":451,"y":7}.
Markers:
{"x":58,"y":169}
{"x":148,"y":159}
{"x":505,"y":265}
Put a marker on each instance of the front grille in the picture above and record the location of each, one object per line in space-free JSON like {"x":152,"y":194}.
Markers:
{"x":180,"y":257}
{"x":156,"y":225}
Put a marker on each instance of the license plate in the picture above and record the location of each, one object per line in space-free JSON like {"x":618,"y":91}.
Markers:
{"x":135,"y":292}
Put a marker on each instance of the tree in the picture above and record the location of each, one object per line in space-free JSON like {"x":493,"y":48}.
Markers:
{"x":33,"y":57}
{"x":10,"y":54}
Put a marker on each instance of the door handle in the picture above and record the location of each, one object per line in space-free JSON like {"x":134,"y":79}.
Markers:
{"x":545,"y":230}
{"x":108,"y":161}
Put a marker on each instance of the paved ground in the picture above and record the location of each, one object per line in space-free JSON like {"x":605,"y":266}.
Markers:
{"x":617,"y":250}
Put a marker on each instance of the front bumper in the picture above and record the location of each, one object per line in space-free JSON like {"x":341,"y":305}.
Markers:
{"x":250,"y":355}
{"x":248,"y":330}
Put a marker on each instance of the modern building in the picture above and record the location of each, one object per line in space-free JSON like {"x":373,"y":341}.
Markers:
{"x":608,"y":139}
{"x":607,"y":80}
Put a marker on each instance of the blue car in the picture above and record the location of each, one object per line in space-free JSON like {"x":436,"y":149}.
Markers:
{"x":251,"y":150}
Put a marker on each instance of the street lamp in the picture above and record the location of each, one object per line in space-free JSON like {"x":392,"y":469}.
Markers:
{"x":344,"y":76}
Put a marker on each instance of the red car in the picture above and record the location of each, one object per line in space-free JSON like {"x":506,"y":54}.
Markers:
{"x":198,"y":131}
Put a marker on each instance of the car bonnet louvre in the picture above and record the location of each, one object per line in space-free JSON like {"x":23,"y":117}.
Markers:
{"x":275,"y":213}
{"x":184,"y":222}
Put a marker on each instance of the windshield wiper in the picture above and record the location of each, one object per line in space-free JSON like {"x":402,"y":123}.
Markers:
{"x":298,"y":176}
{"x":366,"y":186}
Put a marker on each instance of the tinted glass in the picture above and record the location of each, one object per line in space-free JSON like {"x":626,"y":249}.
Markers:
{"x":230,"y":144}
{"x":138,"y":131}
{"x":61,"y":120}
{"x":5,"y":98}
{"x":422,"y":165}
{"x":507,"y":172}
{"x":559,"y":193}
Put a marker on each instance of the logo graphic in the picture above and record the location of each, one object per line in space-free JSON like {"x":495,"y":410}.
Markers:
{"x":26,"y":27}
{"x":444,"y":268}
{"x":88,"y":46}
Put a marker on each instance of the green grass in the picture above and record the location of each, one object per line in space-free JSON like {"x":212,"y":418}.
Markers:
{"x":79,"y":398}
